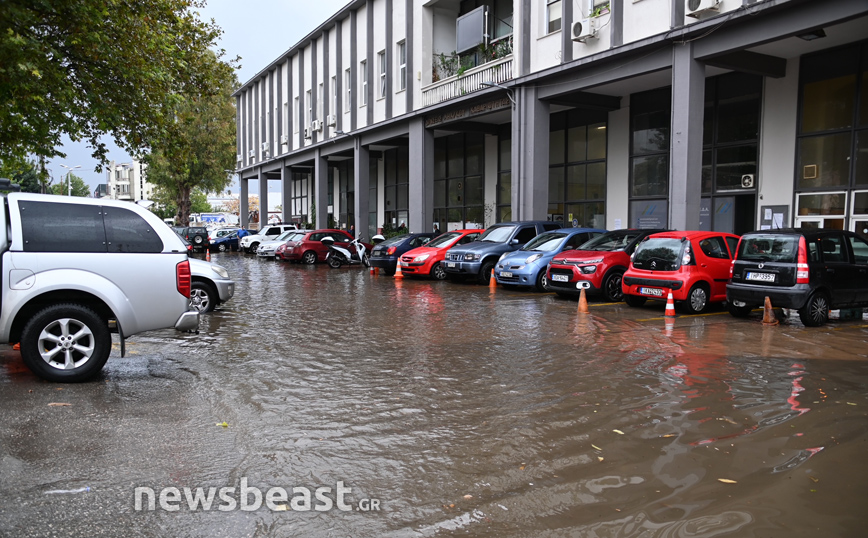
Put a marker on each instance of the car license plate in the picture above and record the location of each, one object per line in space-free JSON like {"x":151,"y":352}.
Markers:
{"x":450,"y":264}
{"x":651,"y":291}
{"x":560,"y":278}
{"x":761,"y":277}
{"x":505,"y":274}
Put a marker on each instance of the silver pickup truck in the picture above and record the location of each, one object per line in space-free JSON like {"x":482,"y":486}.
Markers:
{"x":75,"y":270}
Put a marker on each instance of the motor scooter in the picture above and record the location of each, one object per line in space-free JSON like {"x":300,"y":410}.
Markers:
{"x":355,"y":253}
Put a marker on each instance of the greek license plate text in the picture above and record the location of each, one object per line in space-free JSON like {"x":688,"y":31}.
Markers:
{"x":651,"y":291}
{"x":560,"y":278}
{"x":762,"y":277}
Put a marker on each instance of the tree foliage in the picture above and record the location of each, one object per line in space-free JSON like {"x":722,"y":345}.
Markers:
{"x":90,"y":68}
{"x":78,"y":186}
{"x":198,"y":149}
{"x":28,"y":175}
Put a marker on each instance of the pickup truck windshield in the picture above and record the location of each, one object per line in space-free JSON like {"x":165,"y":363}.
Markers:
{"x":497,"y":234}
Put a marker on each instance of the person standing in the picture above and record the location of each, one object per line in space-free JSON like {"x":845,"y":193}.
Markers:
{"x":353,"y":230}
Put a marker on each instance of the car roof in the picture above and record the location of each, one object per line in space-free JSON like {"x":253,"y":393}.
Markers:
{"x":689,"y":234}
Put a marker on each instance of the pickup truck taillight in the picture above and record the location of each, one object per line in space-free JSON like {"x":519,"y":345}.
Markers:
{"x":182,"y":275}
{"x":802,"y":263}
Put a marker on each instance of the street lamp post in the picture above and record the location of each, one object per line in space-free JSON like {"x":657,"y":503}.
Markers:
{"x":68,"y":178}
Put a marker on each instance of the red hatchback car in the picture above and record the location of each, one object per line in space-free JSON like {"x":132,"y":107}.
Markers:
{"x":601,"y":262}
{"x":694,"y":265}
{"x":426,"y":260}
{"x":309,"y":249}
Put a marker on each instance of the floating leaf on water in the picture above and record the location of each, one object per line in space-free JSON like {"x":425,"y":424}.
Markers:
{"x":59,"y":404}
{"x":727,"y":481}
{"x":599,"y":458}
{"x":521,"y":468}
{"x":619,"y":432}
{"x":814,"y":479}
{"x":595,"y":447}
{"x":669,"y":435}
{"x":468,"y":496}
{"x":224,"y":424}
{"x":850,"y":403}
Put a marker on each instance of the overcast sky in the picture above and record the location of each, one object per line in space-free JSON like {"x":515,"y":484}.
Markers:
{"x":259,"y":31}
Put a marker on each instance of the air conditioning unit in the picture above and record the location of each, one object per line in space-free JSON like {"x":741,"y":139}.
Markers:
{"x":695,"y":8}
{"x":747,"y":181}
{"x":316,"y":125}
{"x":584,"y":30}
{"x":238,"y":158}
{"x":284,"y":139}
{"x":332,"y":119}
{"x":264,"y":146}
{"x":251,"y":153}
{"x":308,"y":133}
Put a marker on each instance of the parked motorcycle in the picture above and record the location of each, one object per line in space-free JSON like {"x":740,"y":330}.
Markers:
{"x":355,"y":253}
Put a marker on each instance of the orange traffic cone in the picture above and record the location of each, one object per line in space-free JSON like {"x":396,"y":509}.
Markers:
{"x":16,"y":346}
{"x":768,"y":314}
{"x":207,"y":254}
{"x":492,"y":282}
{"x":372,"y":271}
{"x":583,"y":302}
{"x":670,"y":306}
{"x":398,"y":272}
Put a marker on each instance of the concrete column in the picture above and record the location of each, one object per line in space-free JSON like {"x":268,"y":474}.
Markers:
{"x":685,"y":159}
{"x":321,"y":189}
{"x":421,"y":177}
{"x":361,"y":172}
{"x":530,"y":156}
{"x":244,"y":205}
{"x":263,"y":198}
{"x":286,"y":203}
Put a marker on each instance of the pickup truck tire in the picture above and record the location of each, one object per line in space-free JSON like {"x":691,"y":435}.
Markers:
{"x":203,"y":297}
{"x":65,"y":343}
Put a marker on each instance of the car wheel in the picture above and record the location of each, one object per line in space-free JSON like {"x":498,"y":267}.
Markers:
{"x":541,"y":281}
{"x":252,"y":248}
{"x":697,"y":299}
{"x":612,"y":286}
{"x":816,"y":311}
{"x":739,"y":311}
{"x":65,"y":343}
{"x":309,"y":257}
{"x":485,"y":272}
{"x":202,"y":297}
{"x":334,"y":262}
{"x":221,"y":247}
{"x":437,"y":272}
{"x":634,"y":300}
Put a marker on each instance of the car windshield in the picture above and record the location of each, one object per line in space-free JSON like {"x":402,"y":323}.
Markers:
{"x":769,"y":248}
{"x":443,"y":240}
{"x":545,"y":242}
{"x":497,"y":234}
{"x":660,"y":253}
{"x":398,"y":239}
{"x":610,"y":242}
{"x":285,"y":235}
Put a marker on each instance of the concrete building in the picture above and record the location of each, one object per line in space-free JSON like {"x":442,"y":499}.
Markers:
{"x":128,"y":181}
{"x":692,"y":114}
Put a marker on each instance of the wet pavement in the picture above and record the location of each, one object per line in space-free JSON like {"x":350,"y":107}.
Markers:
{"x":446,"y":409}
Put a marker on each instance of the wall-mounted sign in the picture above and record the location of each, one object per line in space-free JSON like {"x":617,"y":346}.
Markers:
{"x":468,"y":112}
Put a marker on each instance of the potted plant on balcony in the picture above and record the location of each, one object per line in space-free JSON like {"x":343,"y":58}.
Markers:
{"x":601,"y":10}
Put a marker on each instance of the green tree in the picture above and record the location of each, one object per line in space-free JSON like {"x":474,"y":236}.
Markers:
{"x":79,"y":187}
{"x":28,"y":175}
{"x":198,"y":148}
{"x":89,"y":68}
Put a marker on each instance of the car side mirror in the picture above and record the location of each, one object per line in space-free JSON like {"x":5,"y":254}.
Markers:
{"x":514,"y":242}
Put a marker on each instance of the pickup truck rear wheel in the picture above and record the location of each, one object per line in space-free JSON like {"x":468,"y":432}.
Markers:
{"x":65,"y":343}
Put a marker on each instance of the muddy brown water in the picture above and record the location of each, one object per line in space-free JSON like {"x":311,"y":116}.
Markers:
{"x":459,"y":410}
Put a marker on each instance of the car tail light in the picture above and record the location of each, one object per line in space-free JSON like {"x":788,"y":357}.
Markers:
{"x":182,"y":275}
{"x":802,"y":264}
{"x":391,"y":250}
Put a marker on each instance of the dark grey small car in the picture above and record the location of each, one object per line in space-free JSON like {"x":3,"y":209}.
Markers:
{"x":812,"y":271}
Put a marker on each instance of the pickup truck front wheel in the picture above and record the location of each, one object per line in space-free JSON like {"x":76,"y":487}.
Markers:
{"x":65,"y":343}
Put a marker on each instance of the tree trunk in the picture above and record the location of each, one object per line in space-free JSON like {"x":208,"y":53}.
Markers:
{"x":184,"y":205}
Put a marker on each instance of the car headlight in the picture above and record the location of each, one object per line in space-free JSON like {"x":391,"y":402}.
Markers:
{"x":588,"y":269}
{"x":533,"y":258}
{"x":420,"y":259}
{"x":281,"y":248}
{"x":471,"y":257}
{"x":502,"y":256}
{"x":220,"y":271}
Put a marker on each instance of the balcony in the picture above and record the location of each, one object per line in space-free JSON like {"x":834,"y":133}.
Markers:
{"x":469,"y":81}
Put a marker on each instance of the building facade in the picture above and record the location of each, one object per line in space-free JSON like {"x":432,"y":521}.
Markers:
{"x":730,"y":115}
{"x":127,"y":181}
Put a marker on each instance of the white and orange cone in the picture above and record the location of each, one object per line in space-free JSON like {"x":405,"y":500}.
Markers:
{"x":207,"y":254}
{"x":769,"y":314}
{"x":583,"y":302}
{"x":670,"y":306}
{"x":398,"y":272}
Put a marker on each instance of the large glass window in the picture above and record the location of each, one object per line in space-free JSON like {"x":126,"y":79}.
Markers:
{"x":363,"y":83}
{"x":381,"y":60}
{"x":553,"y":16}
{"x":504,"y":179}
{"x":299,"y":196}
{"x":397,"y":185}
{"x":577,"y":168}
{"x":459,"y":189}
{"x":649,"y":127}
{"x":402,"y":65}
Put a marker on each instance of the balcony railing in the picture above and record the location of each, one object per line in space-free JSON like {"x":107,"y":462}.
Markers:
{"x":470,"y":81}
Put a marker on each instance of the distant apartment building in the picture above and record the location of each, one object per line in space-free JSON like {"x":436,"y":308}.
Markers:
{"x":127,"y":181}
{"x":729,"y":115}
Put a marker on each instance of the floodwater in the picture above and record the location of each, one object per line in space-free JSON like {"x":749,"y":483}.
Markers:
{"x":446,"y":409}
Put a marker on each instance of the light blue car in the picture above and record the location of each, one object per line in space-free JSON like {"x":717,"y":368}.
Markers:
{"x":527,"y":266}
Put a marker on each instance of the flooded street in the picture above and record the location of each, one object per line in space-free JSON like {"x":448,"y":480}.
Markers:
{"x":447,"y":409}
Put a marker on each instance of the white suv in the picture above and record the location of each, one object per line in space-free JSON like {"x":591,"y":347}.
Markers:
{"x":249,"y":243}
{"x":76,"y":270}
